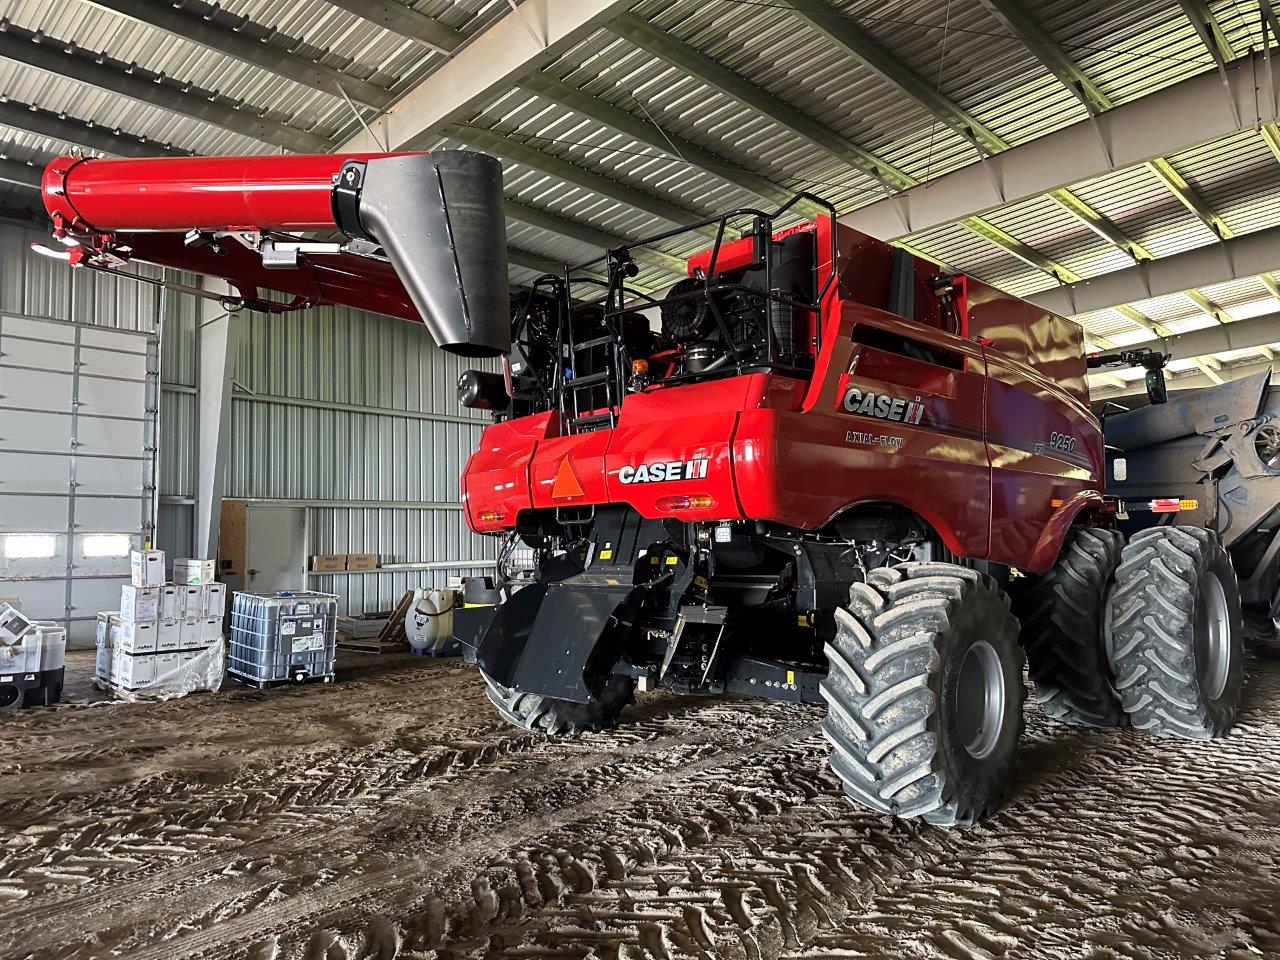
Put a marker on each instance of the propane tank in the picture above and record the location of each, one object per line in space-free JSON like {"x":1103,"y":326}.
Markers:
{"x":429,"y":624}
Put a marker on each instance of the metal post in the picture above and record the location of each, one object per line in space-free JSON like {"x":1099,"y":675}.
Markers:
{"x":216,"y":334}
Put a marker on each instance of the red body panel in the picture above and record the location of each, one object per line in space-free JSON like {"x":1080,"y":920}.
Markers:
{"x":140,"y":210}
{"x":209,"y":193}
{"x":1004,"y":456}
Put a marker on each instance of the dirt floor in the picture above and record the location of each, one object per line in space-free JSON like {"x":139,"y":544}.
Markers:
{"x":393,"y":815}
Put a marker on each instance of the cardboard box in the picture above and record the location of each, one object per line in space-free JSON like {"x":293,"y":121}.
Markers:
{"x":12,"y":624}
{"x":169,"y":636}
{"x":362,"y":561}
{"x":130,"y":671}
{"x":105,"y":642}
{"x":140,"y":604}
{"x":191,"y":601}
{"x":171,"y":597}
{"x":210,"y":631}
{"x":137,"y":637}
{"x":187,"y":570}
{"x":146,"y":568}
{"x":191,"y":634}
{"x":329,"y":562}
{"x":189,"y":657}
{"x":166,"y":665}
{"x":215,"y":600}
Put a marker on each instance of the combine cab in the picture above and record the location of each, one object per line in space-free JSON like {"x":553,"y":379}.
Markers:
{"x":816,"y":470}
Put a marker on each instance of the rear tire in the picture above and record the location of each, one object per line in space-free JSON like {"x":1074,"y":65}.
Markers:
{"x":924,"y":691}
{"x":1176,"y":633}
{"x":555,"y":717}
{"x":1062,"y":631}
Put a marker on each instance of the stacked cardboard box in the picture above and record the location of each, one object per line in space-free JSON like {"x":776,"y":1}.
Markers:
{"x":166,"y":638}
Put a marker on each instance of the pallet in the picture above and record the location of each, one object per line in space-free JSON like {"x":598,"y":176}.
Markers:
{"x":286,"y":682}
{"x":371,"y":644}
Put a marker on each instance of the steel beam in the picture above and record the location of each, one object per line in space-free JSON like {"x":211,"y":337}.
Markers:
{"x":217,"y":333}
{"x":1269,"y":14}
{"x":1100,"y":224}
{"x":1220,"y":338}
{"x":94,"y":136}
{"x":1036,"y":38}
{"x":99,"y":70}
{"x":1176,"y":184}
{"x":513,"y":47}
{"x":696,"y":64}
{"x":19,"y":173}
{"x":506,"y":146}
{"x":864,"y":48}
{"x":1191,"y":380}
{"x":1210,"y":31}
{"x":537,"y":217}
{"x":206,"y":25}
{"x":699,"y":65}
{"x":647,"y":132}
{"x":404,"y":21}
{"x":1180,"y":116}
{"x":1249,"y":255}
{"x":1208,"y":307}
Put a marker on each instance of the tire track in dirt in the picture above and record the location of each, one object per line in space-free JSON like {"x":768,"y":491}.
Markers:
{"x":1190,"y":870}
{"x":706,"y":829}
{"x":432,"y":782}
{"x":398,"y":885}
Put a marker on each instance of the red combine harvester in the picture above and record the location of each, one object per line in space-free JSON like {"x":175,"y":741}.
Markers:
{"x":816,"y":470}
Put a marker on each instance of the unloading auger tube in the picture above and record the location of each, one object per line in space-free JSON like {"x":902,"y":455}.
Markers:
{"x":435,"y":219}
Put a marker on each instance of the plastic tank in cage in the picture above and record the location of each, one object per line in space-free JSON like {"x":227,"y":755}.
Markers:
{"x":284,"y":637}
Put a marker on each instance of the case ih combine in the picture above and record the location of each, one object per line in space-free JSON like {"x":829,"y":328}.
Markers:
{"x":815,"y":470}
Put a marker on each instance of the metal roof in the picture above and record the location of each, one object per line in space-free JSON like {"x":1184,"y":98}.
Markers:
{"x":649,"y":132}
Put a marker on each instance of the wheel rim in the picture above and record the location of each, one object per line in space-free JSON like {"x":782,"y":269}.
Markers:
{"x":980,"y":700}
{"x":1213,"y":636}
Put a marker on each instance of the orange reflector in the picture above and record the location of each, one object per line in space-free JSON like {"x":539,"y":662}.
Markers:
{"x":1056,"y":503}
{"x":639,"y":367}
{"x":567,"y":483}
{"x":492,"y":516}
{"x":698,"y":501}
{"x":1189,"y":504}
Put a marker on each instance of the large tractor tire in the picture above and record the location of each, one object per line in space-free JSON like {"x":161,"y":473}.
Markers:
{"x":924,"y":691}
{"x":1176,"y":633}
{"x":1062,"y":631}
{"x":554,"y":717}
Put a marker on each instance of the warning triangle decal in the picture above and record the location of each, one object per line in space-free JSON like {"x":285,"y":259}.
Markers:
{"x":566,"y":484}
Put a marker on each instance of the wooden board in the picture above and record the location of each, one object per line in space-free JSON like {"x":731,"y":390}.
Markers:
{"x":390,"y":638}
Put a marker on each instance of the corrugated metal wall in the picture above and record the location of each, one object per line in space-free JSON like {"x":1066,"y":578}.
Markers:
{"x":350,"y":413}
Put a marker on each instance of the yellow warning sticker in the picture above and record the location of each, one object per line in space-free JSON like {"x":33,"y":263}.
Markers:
{"x":672,"y":561}
{"x":791,"y":676}
{"x":606,"y":554}
{"x":701,"y":583}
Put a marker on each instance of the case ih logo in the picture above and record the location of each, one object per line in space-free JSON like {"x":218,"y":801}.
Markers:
{"x":882,"y":407}
{"x":665,"y":470}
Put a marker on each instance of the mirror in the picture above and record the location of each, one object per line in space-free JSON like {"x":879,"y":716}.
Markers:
{"x":1157,"y":392}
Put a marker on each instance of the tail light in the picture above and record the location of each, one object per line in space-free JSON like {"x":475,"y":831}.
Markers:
{"x":697,"y":501}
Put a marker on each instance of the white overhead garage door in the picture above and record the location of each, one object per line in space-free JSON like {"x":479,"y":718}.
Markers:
{"x":78,"y":434}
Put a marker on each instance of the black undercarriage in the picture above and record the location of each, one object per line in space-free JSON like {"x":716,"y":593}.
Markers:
{"x":700,"y":609}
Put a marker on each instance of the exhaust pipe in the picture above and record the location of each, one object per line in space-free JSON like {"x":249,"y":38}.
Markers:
{"x":439,"y":219}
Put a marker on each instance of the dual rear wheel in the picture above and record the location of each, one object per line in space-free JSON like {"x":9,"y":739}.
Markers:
{"x":925,"y":687}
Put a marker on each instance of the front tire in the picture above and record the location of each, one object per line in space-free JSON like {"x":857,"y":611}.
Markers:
{"x":555,"y":717}
{"x":1176,"y":633}
{"x":1062,"y":631}
{"x":924,"y":691}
